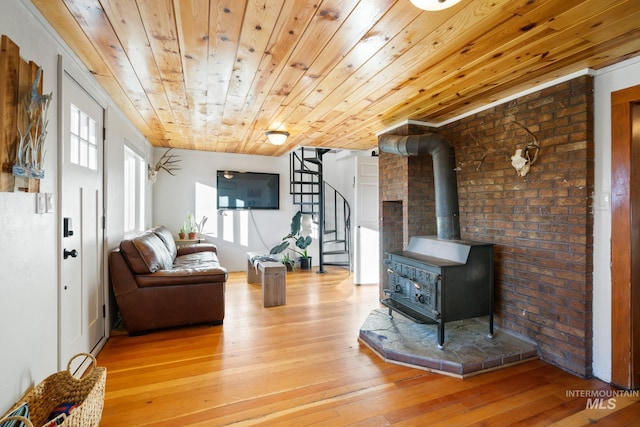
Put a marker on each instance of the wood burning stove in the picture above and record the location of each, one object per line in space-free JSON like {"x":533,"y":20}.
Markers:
{"x":439,"y":281}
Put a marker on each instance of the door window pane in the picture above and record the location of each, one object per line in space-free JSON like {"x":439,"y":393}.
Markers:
{"x":83,"y":148}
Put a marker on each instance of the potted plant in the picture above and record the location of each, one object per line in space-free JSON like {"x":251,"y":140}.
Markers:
{"x":183,"y":231}
{"x":191,"y":226}
{"x":301,"y":241}
{"x":200,"y":225}
{"x":288,"y":262}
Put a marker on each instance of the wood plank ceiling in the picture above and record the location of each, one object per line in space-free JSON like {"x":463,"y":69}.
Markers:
{"x":214,"y":75}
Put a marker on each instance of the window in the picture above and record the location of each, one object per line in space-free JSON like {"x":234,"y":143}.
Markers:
{"x":206,"y":206}
{"x":134,"y":191}
{"x":84,"y":145}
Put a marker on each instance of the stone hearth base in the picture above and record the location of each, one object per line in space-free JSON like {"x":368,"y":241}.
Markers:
{"x":467,"y":348}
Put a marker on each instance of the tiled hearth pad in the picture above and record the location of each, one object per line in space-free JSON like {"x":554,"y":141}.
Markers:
{"x":468,"y":350}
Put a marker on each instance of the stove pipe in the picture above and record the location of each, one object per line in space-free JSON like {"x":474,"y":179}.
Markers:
{"x":444,"y":175}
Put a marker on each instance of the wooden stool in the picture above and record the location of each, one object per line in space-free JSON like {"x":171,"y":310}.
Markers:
{"x":274,"y":276}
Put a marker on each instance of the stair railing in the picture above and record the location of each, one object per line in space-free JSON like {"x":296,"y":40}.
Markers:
{"x":337,"y":222}
{"x":309,"y":190}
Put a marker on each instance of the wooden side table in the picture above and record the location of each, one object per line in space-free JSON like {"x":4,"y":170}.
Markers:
{"x":274,"y":287}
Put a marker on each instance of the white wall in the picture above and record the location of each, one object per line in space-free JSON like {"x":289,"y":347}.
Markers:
{"x":607,"y":81}
{"x":174,"y":197}
{"x":29,"y":244}
{"x":28,"y":295}
{"x":340,"y":172}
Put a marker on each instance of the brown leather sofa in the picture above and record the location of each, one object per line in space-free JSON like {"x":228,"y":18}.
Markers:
{"x":158,"y":284}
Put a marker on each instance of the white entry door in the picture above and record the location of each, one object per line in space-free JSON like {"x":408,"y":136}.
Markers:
{"x":366,"y":268}
{"x":81,"y":177}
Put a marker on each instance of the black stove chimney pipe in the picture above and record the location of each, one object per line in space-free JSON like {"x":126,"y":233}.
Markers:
{"x":444,"y":175}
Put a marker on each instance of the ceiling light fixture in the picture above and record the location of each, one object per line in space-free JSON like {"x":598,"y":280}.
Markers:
{"x":277,"y":137}
{"x":433,"y":5}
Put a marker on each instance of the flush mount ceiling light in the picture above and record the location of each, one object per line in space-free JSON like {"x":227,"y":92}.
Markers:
{"x":433,"y":4}
{"x":277,"y":137}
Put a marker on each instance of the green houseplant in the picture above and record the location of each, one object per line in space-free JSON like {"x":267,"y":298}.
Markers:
{"x":301,"y":242}
{"x":191,"y":226}
{"x":288,"y":262}
{"x":200,"y":225}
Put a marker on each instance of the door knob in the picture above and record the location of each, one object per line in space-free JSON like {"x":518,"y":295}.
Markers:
{"x":72,"y":253}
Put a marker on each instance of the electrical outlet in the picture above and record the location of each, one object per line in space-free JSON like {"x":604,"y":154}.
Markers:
{"x":603,"y":201}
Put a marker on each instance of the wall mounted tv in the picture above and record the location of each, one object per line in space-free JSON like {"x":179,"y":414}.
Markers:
{"x":248,"y":190}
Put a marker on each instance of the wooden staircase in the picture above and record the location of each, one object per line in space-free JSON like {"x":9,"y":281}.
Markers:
{"x":328,"y":208}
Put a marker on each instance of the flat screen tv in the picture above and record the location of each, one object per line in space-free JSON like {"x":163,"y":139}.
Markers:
{"x":248,"y":190}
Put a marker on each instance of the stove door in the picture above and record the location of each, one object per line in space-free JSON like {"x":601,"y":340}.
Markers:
{"x":415,"y":288}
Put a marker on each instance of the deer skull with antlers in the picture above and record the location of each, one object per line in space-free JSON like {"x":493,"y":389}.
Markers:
{"x":527,"y":156}
{"x":167,"y":162}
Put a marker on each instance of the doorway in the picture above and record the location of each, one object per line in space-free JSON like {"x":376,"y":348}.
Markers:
{"x":82,"y":307}
{"x":366,"y":259}
{"x":625,"y":238}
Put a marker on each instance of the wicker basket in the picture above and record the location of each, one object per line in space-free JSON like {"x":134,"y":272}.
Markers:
{"x":62,"y":387}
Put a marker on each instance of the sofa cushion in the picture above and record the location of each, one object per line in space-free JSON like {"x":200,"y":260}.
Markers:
{"x":202,"y":267}
{"x":146,"y":254}
{"x":195,"y":259}
{"x":167,"y":238}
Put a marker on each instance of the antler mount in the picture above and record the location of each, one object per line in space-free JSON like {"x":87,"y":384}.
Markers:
{"x":168,"y":162}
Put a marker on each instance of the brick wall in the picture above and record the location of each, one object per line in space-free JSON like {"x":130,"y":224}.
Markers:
{"x":541,"y":224}
{"x":407,"y":198}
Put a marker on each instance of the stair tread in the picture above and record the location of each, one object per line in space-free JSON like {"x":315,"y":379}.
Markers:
{"x":313,"y":160}
{"x":337,"y":252}
{"x":334,"y":241}
{"x":307,"y":171}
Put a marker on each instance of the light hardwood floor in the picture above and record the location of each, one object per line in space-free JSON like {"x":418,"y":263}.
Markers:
{"x":301,"y":364}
